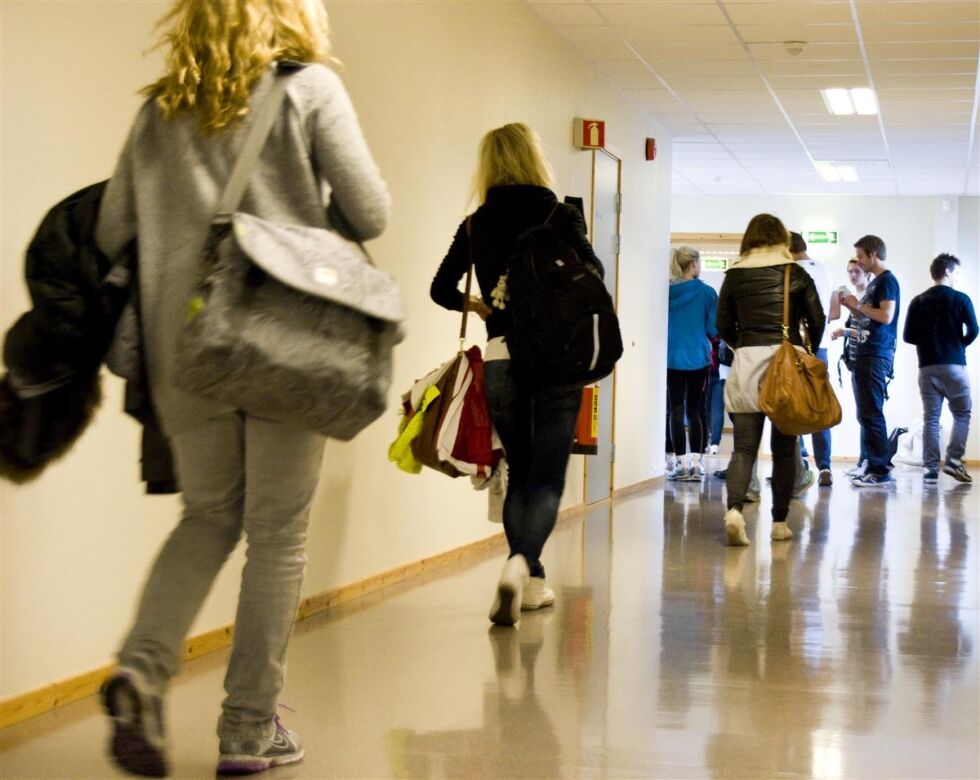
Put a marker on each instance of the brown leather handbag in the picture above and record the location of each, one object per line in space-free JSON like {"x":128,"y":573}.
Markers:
{"x":795,"y":392}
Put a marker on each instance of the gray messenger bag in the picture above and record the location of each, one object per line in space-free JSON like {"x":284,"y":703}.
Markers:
{"x":288,"y":322}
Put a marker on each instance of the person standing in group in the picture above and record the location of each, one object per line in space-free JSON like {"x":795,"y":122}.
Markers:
{"x":941,"y":323}
{"x":513,"y":185}
{"x":750,"y":316}
{"x":818,"y":272}
{"x":239,"y":474}
{"x":690,"y":323}
{"x":859,"y":280}
{"x":875,"y":317}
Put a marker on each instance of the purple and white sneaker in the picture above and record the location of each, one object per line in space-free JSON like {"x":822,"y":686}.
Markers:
{"x":251,"y":756}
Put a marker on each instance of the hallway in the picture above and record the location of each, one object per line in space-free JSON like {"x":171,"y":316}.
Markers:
{"x":849,"y":652}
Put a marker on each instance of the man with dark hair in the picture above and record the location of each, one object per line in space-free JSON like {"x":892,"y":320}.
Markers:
{"x":875,"y":317}
{"x":817,"y":272}
{"x":941,"y":323}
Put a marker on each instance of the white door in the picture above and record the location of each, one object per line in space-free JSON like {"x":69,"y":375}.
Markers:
{"x":605,"y":240}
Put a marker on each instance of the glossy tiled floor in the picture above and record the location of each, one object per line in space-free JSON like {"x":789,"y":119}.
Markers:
{"x":849,"y":652}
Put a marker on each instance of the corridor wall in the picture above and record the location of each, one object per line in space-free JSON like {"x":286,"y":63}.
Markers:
{"x":428,"y":79}
{"x":914,"y":229}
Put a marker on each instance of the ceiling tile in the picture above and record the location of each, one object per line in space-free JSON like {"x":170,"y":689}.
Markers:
{"x":941,"y":32}
{"x":890,"y":11}
{"x":679,"y":35}
{"x":789,"y":13}
{"x":565,"y":14}
{"x":704,"y":67}
{"x":929,"y":51}
{"x":810,"y":33}
{"x":684,"y":51}
{"x":662,"y":14}
{"x":814,"y":51}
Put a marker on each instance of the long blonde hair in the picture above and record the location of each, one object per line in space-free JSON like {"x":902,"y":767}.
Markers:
{"x":218,"y":49}
{"x":510,"y":155}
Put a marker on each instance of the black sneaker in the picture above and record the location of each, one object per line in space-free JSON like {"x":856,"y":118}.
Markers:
{"x":250,"y":756}
{"x":931,"y":477}
{"x":957,"y":471}
{"x":137,"y":721}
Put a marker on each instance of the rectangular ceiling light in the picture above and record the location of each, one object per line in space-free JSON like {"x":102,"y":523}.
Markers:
{"x":838,"y":101}
{"x":864,"y":100}
{"x":828,"y":172}
{"x":844,"y":102}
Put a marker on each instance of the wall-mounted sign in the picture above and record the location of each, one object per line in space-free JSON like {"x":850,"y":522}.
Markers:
{"x":589,"y":133}
{"x":714,"y":263}
{"x":821,"y":237}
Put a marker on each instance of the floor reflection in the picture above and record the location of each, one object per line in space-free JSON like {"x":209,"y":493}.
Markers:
{"x":850,"y":652}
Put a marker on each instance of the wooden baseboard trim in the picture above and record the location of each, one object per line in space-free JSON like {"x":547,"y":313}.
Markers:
{"x":58,"y":694}
{"x":638,"y":487}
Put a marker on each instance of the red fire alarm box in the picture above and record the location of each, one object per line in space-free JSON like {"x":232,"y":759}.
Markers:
{"x":651,"y":149}
{"x":589,"y":133}
{"x":587,"y":426}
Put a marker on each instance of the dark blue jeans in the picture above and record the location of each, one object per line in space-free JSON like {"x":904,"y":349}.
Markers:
{"x":536,"y":430}
{"x":821,"y":439}
{"x":716,"y":402}
{"x":869,"y":379}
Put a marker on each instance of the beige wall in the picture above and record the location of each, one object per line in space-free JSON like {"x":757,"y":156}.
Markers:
{"x":428,"y":78}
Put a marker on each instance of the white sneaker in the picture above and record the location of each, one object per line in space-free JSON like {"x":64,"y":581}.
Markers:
{"x":735,"y":529}
{"x":506,"y":609}
{"x":713,"y":449}
{"x":537,"y":594}
{"x":752,"y":496}
{"x":678,"y":473}
{"x":694,"y":473}
{"x":781,"y":532}
{"x":671,"y":462}
{"x":859,"y":470}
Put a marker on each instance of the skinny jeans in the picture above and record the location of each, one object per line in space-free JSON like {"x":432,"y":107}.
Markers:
{"x":536,"y":429}
{"x":239,"y":475}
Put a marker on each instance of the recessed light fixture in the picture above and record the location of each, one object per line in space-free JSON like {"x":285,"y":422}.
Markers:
{"x":830,"y":172}
{"x":844,"y":102}
{"x":865,"y":101}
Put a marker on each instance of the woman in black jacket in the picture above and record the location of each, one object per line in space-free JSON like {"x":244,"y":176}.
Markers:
{"x":513,"y":186}
{"x":750,"y":314}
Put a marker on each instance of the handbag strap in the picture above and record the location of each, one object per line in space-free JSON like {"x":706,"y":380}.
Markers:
{"x":806,"y":331}
{"x":265,"y":116}
{"x":469,"y":284}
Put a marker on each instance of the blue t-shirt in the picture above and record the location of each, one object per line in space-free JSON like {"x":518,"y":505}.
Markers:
{"x":875,"y":338}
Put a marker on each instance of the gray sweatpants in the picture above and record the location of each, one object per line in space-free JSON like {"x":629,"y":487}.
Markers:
{"x":239,"y":474}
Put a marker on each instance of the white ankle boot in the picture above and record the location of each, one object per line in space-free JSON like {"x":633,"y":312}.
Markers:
{"x":506,"y":609}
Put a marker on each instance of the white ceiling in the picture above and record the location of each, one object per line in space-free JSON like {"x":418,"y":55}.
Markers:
{"x":747,"y":116}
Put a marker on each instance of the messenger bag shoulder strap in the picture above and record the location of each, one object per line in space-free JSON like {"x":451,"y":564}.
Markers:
{"x":262,"y":122}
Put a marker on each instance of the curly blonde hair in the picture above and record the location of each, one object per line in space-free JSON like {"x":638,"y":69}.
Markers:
{"x":218,"y":49}
{"x":510,"y":155}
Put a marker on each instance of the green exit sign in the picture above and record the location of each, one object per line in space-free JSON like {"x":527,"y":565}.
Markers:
{"x":821,"y":237}
{"x":714,"y":263}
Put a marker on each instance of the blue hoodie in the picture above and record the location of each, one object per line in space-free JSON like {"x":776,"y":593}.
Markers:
{"x":693,"y":306}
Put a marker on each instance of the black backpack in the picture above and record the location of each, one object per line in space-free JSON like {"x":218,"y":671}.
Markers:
{"x":565,"y":330}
